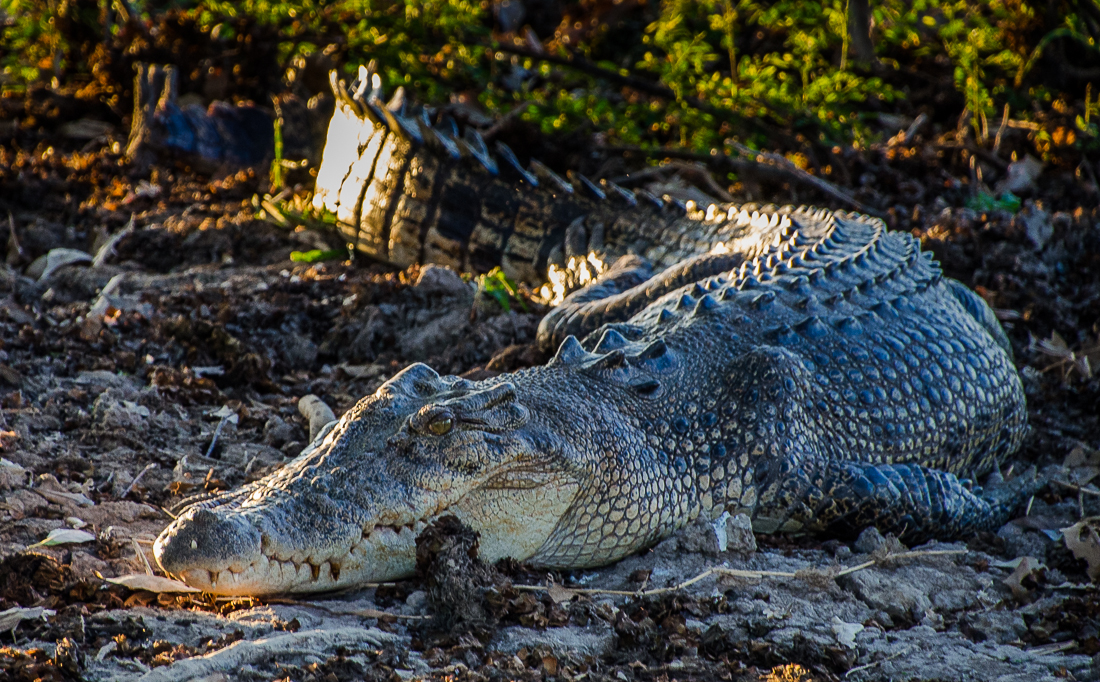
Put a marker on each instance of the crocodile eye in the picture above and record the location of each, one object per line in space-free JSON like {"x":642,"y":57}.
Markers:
{"x":441,"y":426}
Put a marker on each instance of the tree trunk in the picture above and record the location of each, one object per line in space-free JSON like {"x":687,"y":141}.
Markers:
{"x":859,"y":30}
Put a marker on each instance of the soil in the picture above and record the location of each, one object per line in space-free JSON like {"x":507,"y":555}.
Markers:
{"x":185,"y":376}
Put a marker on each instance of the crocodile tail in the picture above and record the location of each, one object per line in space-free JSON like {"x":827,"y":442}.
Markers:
{"x":406,"y":191}
{"x":980,"y":311}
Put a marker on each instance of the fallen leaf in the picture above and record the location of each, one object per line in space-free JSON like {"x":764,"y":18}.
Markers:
{"x":1076,"y":458}
{"x":846,"y":632}
{"x":559,"y":593}
{"x":551,"y":664}
{"x":10,"y":619}
{"x":1083,"y":540}
{"x":226,"y":412}
{"x":1025,"y":566}
{"x":151,"y":583}
{"x":64,"y":536}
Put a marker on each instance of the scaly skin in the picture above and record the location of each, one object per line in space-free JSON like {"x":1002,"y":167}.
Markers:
{"x":405,"y":192}
{"x":824,"y":377}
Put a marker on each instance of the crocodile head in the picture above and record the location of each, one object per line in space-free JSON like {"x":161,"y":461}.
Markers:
{"x":349,"y":509}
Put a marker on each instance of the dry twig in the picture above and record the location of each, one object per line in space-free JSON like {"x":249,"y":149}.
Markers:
{"x":781,"y":162}
{"x":751,"y":162}
{"x":752,"y":575}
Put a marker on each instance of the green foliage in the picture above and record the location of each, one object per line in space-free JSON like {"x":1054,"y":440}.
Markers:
{"x":983,"y":202}
{"x":317,"y":255}
{"x":497,"y":286}
{"x":418,"y":43}
{"x":758,"y":66}
{"x":28,"y":44}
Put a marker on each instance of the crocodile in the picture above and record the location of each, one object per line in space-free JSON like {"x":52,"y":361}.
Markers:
{"x":820,"y":374}
{"x":405,"y":186}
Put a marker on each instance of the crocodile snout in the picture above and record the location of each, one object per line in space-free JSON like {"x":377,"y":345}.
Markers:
{"x":202,"y":543}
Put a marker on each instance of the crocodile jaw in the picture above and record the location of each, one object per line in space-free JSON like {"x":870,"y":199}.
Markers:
{"x":231,"y":550}
{"x":247,"y":567}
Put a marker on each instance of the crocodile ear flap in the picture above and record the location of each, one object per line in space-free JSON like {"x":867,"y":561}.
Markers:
{"x":416,"y":381}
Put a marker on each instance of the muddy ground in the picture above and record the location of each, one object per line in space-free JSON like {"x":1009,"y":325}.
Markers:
{"x":175,"y":367}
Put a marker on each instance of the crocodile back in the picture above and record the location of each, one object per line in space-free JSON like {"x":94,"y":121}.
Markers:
{"x":895,"y":368}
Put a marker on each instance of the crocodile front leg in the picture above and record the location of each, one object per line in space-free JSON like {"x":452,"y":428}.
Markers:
{"x":913,"y":502}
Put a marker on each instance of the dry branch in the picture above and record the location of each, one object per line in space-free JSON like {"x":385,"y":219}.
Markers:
{"x":753,"y":161}
{"x":752,"y":575}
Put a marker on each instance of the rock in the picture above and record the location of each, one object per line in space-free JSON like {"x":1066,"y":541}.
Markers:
{"x":698,"y":537}
{"x":901,"y":600}
{"x":85,"y":566}
{"x":932,"y":620}
{"x":1037,"y":224}
{"x":375,"y":326}
{"x":1021,"y":176}
{"x":113,"y":412}
{"x":515,"y":357}
{"x":869,"y":540}
{"x":1002,"y":627}
{"x":907,"y":593}
{"x":1021,"y":542}
{"x":100,"y":380}
{"x":299,"y":351}
{"x":739,"y":535}
{"x":421,"y":342}
{"x":439,"y":279}
{"x":277,"y":432}
{"x":12,"y":475}
{"x":417,"y":601}
{"x":594,"y":640}
{"x":455,"y":578}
